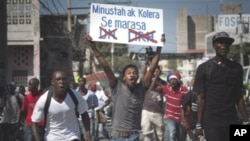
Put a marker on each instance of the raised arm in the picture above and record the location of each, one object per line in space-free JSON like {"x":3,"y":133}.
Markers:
{"x":107,"y":69}
{"x":148,"y":75}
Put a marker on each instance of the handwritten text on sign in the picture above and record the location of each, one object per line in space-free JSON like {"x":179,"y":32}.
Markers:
{"x":127,"y":25}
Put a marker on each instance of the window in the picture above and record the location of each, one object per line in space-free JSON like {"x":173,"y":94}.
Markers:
{"x":19,"y":11}
{"x":20,"y":77}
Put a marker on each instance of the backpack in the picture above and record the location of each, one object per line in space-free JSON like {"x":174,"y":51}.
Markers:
{"x":47,"y":103}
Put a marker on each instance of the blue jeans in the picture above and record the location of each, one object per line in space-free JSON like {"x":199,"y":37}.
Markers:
{"x":174,"y":130}
{"x":28,"y":133}
{"x":133,"y":137}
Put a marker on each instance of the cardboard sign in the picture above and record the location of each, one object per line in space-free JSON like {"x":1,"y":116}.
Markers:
{"x":126,"y":25}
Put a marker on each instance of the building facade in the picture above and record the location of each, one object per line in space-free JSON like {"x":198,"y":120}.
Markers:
{"x":39,"y":44}
{"x":191,"y":31}
{"x":23,"y":39}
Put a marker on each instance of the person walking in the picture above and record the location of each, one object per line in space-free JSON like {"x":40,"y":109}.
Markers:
{"x":174,"y":93}
{"x":13,"y":113}
{"x":127,"y":95}
{"x":101,"y":120}
{"x":81,"y":88}
{"x":29,"y":102}
{"x":218,"y":85}
{"x":61,"y":121}
{"x":189,"y":105}
{"x":92,"y":101}
{"x":3,"y":116}
{"x":152,"y":113}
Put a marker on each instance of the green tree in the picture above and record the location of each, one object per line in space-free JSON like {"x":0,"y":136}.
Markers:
{"x":172,"y":64}
{"x":120,"y":56}
{"x":235,"y":53}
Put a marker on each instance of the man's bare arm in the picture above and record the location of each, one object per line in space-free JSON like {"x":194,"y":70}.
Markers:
{"x":86,"y":123}
{"x":148,"y":75}
{"x":35,"y":131}
{"x":200,"y":109}
{"x":107,"y":69}
{"x":242,"y":109}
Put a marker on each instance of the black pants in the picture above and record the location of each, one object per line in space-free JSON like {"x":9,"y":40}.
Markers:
{"x":217,"y":133}
{"x":4,"y":132}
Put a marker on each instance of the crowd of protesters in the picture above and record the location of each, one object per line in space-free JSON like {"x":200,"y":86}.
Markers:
{"x":157,"y":109}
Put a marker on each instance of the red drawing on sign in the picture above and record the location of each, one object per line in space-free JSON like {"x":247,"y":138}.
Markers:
{"x":108,"y":33}
{"x":139,"y":35}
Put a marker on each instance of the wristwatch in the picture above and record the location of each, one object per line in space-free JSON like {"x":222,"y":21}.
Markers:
{"x":198,"y":126}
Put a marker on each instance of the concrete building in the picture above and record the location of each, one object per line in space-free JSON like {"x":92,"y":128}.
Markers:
{"x":39,"y":44}
{"x":191,"y":31}
{"x":23,"y":39}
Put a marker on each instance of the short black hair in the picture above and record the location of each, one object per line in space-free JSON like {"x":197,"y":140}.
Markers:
{"x":83,"y":78}
{"x":129,"y":66}
{"x":34,"y":79}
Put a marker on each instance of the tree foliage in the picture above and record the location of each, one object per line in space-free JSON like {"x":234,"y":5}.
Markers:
{"x":235,"y":53}
{"x":121,"y":57}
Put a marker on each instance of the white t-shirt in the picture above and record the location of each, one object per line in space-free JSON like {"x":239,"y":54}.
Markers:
{"x":62,"y":123}
{"x":102,"y":98}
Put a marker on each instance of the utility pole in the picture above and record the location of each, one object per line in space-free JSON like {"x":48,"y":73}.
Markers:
{"x":69,"y":15}
{"x":3,"y":43}
{"x":241,"y":32}
{"x":112,"y":56}
{"x":112,"y":44}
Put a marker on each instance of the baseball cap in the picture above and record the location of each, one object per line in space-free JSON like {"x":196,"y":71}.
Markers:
{"x":222,"y":35}
{"x":169,"y":74}
{"x":92,"y":86}
{"x":175,"y":75}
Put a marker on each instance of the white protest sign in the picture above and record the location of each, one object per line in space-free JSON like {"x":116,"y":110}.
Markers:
{"x":127,"y":25}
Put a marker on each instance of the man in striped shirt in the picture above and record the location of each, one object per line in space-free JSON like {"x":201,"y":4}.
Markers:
{"x":174,"y":93}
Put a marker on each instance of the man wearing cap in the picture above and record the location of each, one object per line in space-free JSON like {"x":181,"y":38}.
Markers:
{"x":218,"y":84}
{"x":174,"y":93}
{"x":92,"y":101}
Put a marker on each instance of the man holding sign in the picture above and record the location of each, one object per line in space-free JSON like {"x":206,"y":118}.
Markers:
{"x":127,"y":95}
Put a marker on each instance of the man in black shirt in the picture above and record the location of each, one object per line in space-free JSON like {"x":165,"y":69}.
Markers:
{"x":219,"y":83}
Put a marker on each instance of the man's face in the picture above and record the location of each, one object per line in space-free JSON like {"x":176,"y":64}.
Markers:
{"x":174,"y":83}
{"x":11,"y":88}
{"x":33,"y":86}
{"x":81,"y":82}
{"x":130,"y":77}
{"x":222,"y":47}
{"x":59,"y":82}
